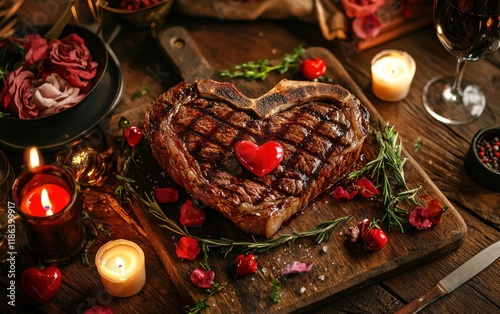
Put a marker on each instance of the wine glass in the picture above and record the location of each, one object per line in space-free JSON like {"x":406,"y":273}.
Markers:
{"x":469,"y":30}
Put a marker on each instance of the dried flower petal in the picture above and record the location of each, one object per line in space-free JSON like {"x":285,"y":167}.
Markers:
{"x":340,"y":193}
{"x":297,"y":267}
{"x":96,"y":309}
{"x":435,"y":211}
{"x":202,"y":278}
{"x":366,"y":187}
{"x":187,"y":248}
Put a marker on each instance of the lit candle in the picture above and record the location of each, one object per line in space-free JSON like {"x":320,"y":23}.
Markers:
{"x":50,"y":205}
{"x":392,"y":74}
{"x":121,"y":266}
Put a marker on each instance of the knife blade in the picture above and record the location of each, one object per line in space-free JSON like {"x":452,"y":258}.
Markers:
{"x":456,"y":278}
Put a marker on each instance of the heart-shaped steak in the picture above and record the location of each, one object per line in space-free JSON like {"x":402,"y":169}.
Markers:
{"x":259,"y":160}
{"x":41,"y":285}
{"x":193,"y":131}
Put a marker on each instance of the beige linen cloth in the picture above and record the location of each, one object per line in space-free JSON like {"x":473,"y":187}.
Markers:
{"x":326,"y":13}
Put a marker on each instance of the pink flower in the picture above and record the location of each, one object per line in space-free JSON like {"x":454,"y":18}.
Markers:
{"x":361,"y":8}
{"x":36,"y":48}
{"x":54,"y":94}
{"x":202,"y":278}
{"x":16,"y":95}
{"x":71,"y":59}
{"x":366,"y":27}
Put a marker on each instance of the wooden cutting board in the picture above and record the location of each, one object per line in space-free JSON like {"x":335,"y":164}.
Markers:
{"x":340,"y":266}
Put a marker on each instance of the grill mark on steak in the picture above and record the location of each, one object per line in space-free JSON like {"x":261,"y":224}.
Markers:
{"x":192,"y":130}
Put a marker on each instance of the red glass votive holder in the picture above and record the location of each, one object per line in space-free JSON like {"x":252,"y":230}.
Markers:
{"x":55,"y":234}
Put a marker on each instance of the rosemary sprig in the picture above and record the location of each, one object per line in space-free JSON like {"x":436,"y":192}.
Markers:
{"x":386,"y":171}
{"x":418,"y":144}
{"x":276,"y":294}
{"x":322,"y":232}
{"x":142,"y":92}
{"x":259,"y":69}
{"x":202,"y":304}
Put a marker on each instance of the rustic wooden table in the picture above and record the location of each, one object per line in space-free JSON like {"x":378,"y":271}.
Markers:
{"x":441,"y":157}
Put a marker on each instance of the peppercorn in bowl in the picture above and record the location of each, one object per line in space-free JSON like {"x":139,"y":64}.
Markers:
{"x":482,"y":161}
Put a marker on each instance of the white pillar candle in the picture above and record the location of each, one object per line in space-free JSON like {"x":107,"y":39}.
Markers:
{"x":120,"y":264}
{"x":392,"y":74}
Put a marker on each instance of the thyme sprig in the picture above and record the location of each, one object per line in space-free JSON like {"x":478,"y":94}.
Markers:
{"x":259,"y":69}
{"x":322,"y":232}
{"x":386,"y":171}
{"x":202,"y":304}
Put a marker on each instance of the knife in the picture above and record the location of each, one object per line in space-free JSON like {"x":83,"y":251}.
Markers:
{"x":459,"y":276}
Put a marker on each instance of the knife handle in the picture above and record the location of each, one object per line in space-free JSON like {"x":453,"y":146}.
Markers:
{"x":422,"y":301}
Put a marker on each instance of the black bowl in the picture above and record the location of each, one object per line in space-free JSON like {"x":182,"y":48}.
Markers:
{"x":476,"y":169}
{"x":99,"y":53}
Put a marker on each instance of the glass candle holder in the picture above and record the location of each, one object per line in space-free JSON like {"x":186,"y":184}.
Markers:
{"x":50,"y":205}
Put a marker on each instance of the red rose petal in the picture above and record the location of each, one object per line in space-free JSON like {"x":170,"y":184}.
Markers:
{"x":166,"y":195}
{"x":297,"y":267}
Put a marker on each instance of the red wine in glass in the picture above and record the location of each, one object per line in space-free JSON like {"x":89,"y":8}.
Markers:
{"x":469,"y":30}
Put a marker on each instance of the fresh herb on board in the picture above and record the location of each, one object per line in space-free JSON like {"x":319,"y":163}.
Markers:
{"x":276,"y":293}
{"x":386,"y":171}
{"x":322,"y":232}
{"x":252,"y":70}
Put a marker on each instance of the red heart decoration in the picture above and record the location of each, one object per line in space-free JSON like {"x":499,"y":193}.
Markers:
{"x":41,"y":285}
{"x":259,"y":160}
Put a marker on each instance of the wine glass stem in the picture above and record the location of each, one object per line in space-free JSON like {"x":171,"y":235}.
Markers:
{"x":457,"y":83}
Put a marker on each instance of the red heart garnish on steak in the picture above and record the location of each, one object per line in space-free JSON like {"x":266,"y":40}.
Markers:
{"x":259,"y":160}
{"x":41,"y":285}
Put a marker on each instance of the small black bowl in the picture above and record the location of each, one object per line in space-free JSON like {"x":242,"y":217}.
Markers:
{"x":474,"y":165}
{"x":99,"y":53}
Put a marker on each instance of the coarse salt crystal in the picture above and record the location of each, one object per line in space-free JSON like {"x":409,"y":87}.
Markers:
{"x":321,"y":277}
{"x":303,"y":289}
{"x":324,"y":248}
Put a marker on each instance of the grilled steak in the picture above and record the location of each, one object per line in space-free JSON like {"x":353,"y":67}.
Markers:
{"x":192,"y":131}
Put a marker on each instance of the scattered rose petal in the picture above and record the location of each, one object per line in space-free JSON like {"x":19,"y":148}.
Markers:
{"x":202,"y":278}
{"x":435,"y":211}
{"x":340,"y":193}
{"x":96,"y":309}
{"x":166,"y":195}
{"x":366,"y":188}
{"x":245,"y":264}
{"x":418,"y":218}
{"x":296,"y":268}
{"x":187,"y":248}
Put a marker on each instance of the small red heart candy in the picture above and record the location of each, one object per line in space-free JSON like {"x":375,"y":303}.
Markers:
{"x":259,"y":160}
{"x":41,"y":285}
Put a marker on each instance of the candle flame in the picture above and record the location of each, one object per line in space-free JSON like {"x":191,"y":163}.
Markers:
{"x":119,"y":263}
{"x":34,"y":158}
{"x":394,"y":68}
{"x":47,"y":205}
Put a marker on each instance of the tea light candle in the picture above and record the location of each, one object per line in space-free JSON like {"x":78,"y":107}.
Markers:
{"x":121,"y":266}
{"x":50,"y":206}
{"x":392,"y":74}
